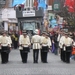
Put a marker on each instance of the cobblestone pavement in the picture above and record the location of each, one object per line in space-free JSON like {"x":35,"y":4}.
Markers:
{"x":54,"y":66}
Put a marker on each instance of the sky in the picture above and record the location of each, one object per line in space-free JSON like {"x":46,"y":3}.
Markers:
{"x":42,"y":3}
{"x":18,"y":2}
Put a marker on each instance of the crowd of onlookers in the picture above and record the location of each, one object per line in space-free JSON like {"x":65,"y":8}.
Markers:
{"x":56,"y":36}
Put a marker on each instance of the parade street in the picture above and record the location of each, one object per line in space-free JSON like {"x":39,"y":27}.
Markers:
{"x":54,"y":66}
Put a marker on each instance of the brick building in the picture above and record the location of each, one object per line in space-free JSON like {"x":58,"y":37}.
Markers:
{"x":50,"y":2}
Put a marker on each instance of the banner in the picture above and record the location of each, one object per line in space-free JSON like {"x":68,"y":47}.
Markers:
{"x":42,"y":3}
{"x":29,"y":13}
{"x":71,"y":5}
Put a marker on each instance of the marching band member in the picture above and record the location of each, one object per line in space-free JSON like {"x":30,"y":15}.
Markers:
{"x":24,"y":43}
{"x":46,"y":44}
{"x":5,"y":43}
{"x":61,"y":47}
{"x":36,"y":46}
{"x":42,"y":36}
{"x":67,"y":47}
{"x":68,"y":42}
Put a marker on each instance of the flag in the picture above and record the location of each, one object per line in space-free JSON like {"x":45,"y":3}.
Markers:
{"x":71,"y":9}
{"x":67,"y":2}
{"x":42,"y":3}
{"x":36,"y":4}
{"x":71,"y":5}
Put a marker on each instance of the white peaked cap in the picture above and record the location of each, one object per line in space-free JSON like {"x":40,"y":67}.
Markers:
{"x":36,"y":31}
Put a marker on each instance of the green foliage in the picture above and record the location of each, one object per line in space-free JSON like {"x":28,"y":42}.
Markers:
{"x":68,"y":16}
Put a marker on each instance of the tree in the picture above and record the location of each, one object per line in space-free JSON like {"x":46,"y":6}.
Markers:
{"x":68,"y":11}
{"x":70,"y":4}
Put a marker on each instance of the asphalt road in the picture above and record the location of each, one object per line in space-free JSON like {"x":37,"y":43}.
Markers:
{"x":54,"y":66}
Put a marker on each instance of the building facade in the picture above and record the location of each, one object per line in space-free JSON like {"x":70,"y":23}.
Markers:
{"x":7,"y":20}
{"x":29,"y":3}
{"x":50,"y":2}
{"x":8,"y":3}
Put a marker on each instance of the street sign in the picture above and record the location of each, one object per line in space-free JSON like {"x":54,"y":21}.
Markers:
{"x":56,"y":6}
{"x":2,"y":2}
{"x":28,"y":13}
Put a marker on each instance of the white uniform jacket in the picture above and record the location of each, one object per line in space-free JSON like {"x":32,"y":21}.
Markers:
{"x":5,"y":41}
{"x":36,"y":39}
{"x":24,"y":42}
{"x":61,"y":41}
{"x":64,"y":42}
{"x":46,"y":41}
{"x":9,"y":40}
{"x":69,"y":41}
{"x":20,"y":41}
{"x":58,"y":38}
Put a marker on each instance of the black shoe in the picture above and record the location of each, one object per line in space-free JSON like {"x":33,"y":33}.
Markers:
{"x":4,"y":62}
{"x":64,"y":61}
{"x":35,"y":62}
{"x":67,"y":62}
{"x":45,"y":62}
{"x":24,"y":61}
